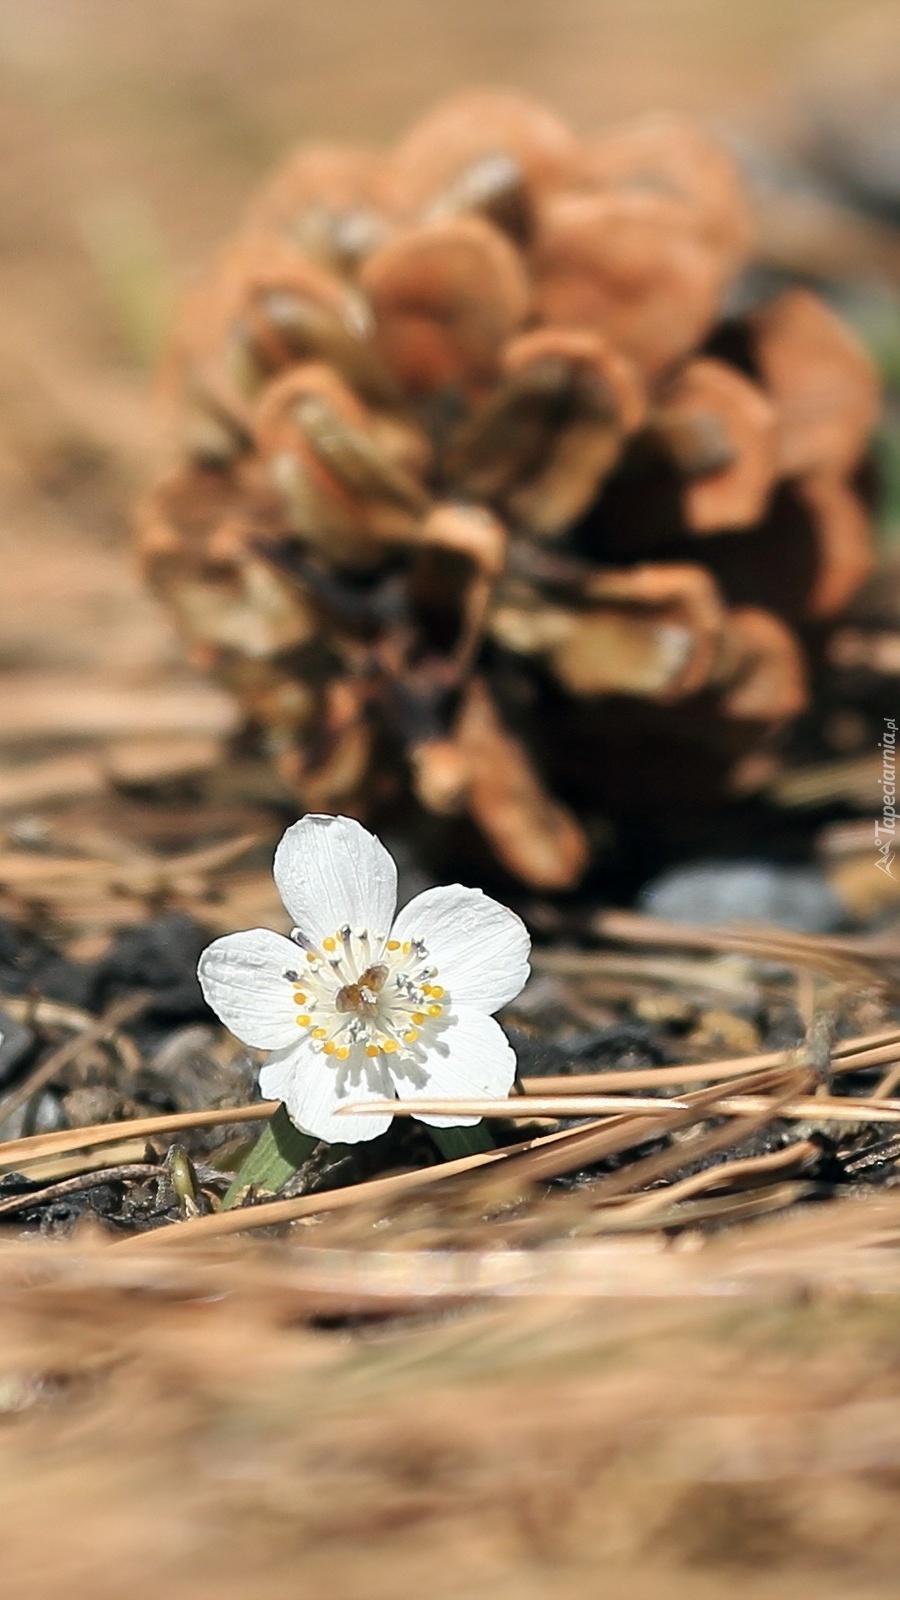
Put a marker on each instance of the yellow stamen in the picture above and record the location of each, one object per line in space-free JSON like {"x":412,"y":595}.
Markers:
{"x":435,"y":990}
{"x":435,"y":1011}
{"x":342,"y":1052}
{"x":310,"y":956}
{"x":303,"y":1021}
{"x":393,"y":944}
{"x":329,"y":944}
{"x":329,"y":1048}
{"x":299,"y":997}
{"x":407,"y":947}
{"x":373,"y":1050}
{"x":319,"y":1033}
{"x":411,"y":1037}
{"x":426,"y":988}
{"x":417,"y":1016}
{"x":389,"y":1046}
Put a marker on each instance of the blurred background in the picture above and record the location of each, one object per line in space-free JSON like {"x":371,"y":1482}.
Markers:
{"x":131,"y":134}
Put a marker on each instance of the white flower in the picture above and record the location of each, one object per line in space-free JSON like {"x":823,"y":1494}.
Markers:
{"x":360,"y":1005}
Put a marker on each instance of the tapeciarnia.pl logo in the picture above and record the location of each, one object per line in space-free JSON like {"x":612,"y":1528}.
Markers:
{"x":887,"y":826}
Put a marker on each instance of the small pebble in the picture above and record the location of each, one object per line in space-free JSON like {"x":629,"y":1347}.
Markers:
{"x":161,"y":956}
{"x":15,"y":1042}
{"x":48,"y":1116}
{"x":709,"y":893}
{"x":93,"y":1103}
{"x":42,"y":1116}
{"x":187,"y":1071}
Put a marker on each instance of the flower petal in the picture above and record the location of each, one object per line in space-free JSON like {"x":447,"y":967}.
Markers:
{"x":313,"y":1087}
{"x":472,"y":1060}
{"x":480,"y":947}
{"x":245,"y":979}
{"x":330,"y":872}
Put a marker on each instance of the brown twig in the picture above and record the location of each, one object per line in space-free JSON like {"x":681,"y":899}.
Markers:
{"x":198,"y":1229}
{"x":124,"y":1010}
{"x":653,"y":1168}
{"x":848,"y":1055}
{"x":57,"y":1191}
{"x":806,"y":1108}
{"x":643,"y":1206}
{"x":847,"y":956}
{"x":16,"y":1151}
{"x":738,"y":1206}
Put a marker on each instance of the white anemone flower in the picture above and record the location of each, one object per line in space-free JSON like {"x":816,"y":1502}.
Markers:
{"x":359,"y":1004}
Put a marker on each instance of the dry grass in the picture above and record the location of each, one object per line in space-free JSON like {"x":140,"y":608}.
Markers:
{"x":675,"y":1421}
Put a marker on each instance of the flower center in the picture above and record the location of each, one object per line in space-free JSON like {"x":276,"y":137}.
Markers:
{"x":362,"y":996}
{"x":363,"y":991}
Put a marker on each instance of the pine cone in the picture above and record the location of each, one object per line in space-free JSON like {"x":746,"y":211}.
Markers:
{"x":479,"y":497}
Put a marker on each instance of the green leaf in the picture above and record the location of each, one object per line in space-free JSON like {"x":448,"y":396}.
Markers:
{"x":454,"y":1143}
{"x":279,"y":1152}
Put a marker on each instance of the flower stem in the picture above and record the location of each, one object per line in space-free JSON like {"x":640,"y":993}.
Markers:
{"x":456,"y":1142}
{"x":279,"y":1152}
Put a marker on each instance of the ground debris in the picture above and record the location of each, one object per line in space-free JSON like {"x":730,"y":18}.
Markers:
{"x":630,"y":1005}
